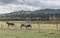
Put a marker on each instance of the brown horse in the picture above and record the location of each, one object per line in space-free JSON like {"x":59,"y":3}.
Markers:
{"x":10,"y":24}
{"x":26,"y":26}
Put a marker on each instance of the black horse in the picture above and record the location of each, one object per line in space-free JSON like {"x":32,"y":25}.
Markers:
{"x":10,"y":24}
{"x":26,"y":26}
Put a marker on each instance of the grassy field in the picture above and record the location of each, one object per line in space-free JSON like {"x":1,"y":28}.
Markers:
{"x":26,"y":34}
{"x":16,"y":32}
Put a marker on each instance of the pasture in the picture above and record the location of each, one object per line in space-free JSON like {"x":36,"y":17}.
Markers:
{"x":16,"y":32}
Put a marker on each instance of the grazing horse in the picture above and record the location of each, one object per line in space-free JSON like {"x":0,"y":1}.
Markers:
{"x":26,"y":26}
{"x":10,"y":24}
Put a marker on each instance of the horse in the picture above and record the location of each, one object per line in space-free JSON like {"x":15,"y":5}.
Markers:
{"x":26,"y":26}
{"x":10,"y":24}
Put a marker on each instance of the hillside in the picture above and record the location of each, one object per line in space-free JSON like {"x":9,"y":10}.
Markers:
{"x":43,"y":14}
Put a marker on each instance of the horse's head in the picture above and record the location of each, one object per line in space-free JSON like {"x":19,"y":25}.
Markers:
{"x":22,"y":24}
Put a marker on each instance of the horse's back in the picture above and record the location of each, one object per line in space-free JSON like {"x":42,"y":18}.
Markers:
{"x":28,"y":25}
{"x":9,"y":23}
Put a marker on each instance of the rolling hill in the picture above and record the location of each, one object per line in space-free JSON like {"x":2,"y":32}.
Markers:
{"x":43,"y":14}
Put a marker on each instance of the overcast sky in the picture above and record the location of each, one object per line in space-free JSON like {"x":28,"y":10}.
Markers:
{"x":13,"y":5}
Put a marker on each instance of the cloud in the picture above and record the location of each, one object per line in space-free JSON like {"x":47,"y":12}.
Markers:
{"x":13,"y":5}
{"x":6,"y":1}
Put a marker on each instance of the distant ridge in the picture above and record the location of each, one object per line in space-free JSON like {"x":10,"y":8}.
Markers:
{"x":41,"y":14}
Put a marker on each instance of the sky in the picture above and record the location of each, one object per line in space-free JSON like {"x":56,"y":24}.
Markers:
{"x":7,"y":6}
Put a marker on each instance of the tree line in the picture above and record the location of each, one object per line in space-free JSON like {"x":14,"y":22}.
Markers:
{"x":37,"y":15}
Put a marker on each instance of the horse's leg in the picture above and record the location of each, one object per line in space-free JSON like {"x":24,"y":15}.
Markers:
{"x":30,"y":28}
{"x":26,"y":28}
{"x":20,"y":27}
{"x":8,"y":26}
{"x":15,"y":27}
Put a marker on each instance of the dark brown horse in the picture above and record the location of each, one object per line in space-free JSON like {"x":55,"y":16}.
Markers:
{"x":10,"y":24}
{"x":26,"y":26}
